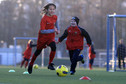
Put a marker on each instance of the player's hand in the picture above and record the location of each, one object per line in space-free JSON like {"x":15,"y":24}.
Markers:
{"x":57,"y":31}
{"x":57,"y":42}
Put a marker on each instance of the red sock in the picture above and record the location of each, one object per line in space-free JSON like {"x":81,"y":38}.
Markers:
{"x":90,"y":66}
{"x":51,"y":57}
{"x":33,"y":59}
{"x":22,"y":63}
{"x":26,"y":64}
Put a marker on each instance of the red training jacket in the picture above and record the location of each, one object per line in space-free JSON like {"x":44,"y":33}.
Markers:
{"x":75,"y":37}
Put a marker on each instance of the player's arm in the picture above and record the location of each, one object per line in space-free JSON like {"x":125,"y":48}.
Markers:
{"x":63,"y":36}
{"x":57,"y":29}
{"x":92,"y":49}
{"x":33,"y":45}
{"x":86,"y":35}
{"x":88,"y":39}
{"x":57,"y":26}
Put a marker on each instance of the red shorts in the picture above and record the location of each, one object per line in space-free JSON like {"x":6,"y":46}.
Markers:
{"x":27,"y":56}
{"x":26,"y":59}
{"x":44,"y":40}
{"x":42,"y":43}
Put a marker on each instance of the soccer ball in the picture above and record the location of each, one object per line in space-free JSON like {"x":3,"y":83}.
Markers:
{"x":35,"y":66}
{"x":61,"y":70}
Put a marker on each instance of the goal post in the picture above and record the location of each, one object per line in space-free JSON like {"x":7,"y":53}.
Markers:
{"x":113,"y":27}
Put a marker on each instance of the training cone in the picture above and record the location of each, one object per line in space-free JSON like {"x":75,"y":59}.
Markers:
{"x":26,"y":72}
{"x":11,"y":71}
{"x":111,"y":70}
{"x":85,"y":78}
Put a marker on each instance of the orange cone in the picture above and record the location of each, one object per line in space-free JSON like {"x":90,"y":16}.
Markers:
{"x":85,"y":78}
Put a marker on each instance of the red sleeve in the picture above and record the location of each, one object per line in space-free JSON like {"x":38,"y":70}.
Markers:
{"x":43,"y":23}
{"x":88,"y":45}
{"x":55,"y":17}
{"x":59,"y":40}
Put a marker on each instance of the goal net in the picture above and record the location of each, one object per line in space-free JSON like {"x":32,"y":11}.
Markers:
{"x":116,"y":30}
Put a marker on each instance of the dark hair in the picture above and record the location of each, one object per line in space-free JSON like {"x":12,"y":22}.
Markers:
{"x":46,"y":7}
{"x":76,"y":19}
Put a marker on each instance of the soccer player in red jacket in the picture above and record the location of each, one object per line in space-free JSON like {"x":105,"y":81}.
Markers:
{"x":27,"y":53}
{"x":91,"y":56}
{"x":46,"y":35}
{"x":75,"y":41}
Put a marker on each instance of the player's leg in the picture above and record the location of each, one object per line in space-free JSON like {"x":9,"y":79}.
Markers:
{"x":26,"y":62}
{"x":90,"y":67}
{"x":79,"y":57}
{"x":123,"y":64}
{"x":82,"y":59}
{"x":70,"y":55}
{"x":37,"y":52}
{"x":22,"y":62}
{"x":91,"y":63}
{"x":52,"y":45}
{"x":74,"y":60}
{"x":119,"y":63}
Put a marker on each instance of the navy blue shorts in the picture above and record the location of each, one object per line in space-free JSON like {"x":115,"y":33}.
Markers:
{"x":26,"y":59}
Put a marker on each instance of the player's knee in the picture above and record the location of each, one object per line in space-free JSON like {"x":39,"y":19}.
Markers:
{"x":37,"y":52}
{"x":53,"y":48}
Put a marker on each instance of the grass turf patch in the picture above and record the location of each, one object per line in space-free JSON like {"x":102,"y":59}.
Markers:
{"x":45,"y":76}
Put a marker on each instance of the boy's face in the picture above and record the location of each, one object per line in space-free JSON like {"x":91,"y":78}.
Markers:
{"x":73,"y":23}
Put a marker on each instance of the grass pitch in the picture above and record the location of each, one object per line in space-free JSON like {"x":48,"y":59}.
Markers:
{"x":45,"y":76}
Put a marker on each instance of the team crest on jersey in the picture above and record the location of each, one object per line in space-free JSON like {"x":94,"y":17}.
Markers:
{"x":75,"y":32}
{"x":69,"y":30}
{"x":48,"y":23}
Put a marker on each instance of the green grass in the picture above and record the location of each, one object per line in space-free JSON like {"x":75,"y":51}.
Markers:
{"x":45,"y":76}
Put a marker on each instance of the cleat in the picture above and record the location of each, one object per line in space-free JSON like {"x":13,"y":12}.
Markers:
{"x":26,"y":72}
{"x":72,"y":72}
{"x":51,"y":67}
{"x":82,"y":61}
{"x":30,"y":69}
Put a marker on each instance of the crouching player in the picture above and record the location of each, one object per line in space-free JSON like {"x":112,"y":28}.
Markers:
{"x":75,"y":41}
{"x":27,"y":53}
